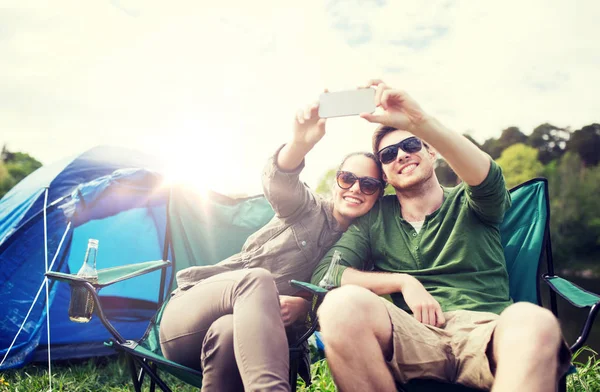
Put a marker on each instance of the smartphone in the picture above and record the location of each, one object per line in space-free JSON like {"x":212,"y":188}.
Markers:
{"x":347,"y":103}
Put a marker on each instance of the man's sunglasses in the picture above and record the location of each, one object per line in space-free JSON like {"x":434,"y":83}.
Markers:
{"x":409,"y":145}
{"x":367,"y":185}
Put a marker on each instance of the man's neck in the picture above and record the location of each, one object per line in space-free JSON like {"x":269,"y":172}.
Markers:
{"x":417,"y":203}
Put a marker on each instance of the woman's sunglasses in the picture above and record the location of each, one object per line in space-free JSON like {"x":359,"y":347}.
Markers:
{"x":409,"y":145}
{"x":367,"y":185}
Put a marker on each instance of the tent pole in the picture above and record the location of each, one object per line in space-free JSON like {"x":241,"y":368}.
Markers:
{"x":36,"y":296}
{"x":166,"y":246}
{"x":46,"y":284}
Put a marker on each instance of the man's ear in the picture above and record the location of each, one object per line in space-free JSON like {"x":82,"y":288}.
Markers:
{"x":384,"y":177}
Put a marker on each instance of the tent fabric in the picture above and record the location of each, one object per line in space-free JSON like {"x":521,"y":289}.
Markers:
{"x":111,"y":194}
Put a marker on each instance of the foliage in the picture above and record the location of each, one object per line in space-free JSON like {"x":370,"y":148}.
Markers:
{"x":575,"y":209}
{"x":112,"y":374}
{"x":321,"y":379}
{"x":550,"y":141}
{"x":96,"y":374}
{"x":586,"y":142}
{"x":519,"y":163}
{"x":587,"y":377}
{"x":509,"y":136}
{"x":14,"y":166}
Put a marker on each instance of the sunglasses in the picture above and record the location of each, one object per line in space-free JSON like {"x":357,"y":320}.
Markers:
{"x":409,"y":145}
{"x":367,"y":185}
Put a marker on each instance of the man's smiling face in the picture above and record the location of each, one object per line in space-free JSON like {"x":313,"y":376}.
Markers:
{"x":408,"y":171}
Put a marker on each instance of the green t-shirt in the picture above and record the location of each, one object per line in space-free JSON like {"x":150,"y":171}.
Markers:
{"x":457,"y":255}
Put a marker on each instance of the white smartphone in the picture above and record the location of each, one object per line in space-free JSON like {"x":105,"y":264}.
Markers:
{"x":347,"y":103}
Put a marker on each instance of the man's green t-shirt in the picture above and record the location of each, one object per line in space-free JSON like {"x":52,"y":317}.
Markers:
{"x":457,"y":255}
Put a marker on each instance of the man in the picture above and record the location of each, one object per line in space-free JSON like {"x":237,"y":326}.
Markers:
{"x":437,"y":252}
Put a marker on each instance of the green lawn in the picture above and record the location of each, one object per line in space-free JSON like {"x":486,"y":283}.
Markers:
{"x":111,"y":374}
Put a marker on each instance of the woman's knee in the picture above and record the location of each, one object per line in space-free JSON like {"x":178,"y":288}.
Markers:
{"x":258,"y":275}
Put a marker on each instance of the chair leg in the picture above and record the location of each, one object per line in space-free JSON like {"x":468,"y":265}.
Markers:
{"x":562,"y":384}
{"x":153,"y":375}
{"x":293,"y":373}
{"x":141,"y":375}
{"x":134,"y":376}
{"x":152,"y":383}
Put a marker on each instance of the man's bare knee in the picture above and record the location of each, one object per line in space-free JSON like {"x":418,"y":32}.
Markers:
{"x":349,"y":312}
{"x":344,"y":307}
{"x":529,"y":328}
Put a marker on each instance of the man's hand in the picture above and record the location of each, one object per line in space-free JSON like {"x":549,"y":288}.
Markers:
{"x":292,"y":308}
{"x":424,"y":307}
{"x":308,"y":127}
{"x":397,"y":108}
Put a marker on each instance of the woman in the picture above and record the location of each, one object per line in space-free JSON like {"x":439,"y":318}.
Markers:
{"x":229,"y":319}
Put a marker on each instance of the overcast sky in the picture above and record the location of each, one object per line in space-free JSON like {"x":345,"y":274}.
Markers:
{"x":214,"y":88}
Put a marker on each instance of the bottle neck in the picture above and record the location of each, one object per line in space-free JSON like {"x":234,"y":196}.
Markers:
{"x":90,"y":257}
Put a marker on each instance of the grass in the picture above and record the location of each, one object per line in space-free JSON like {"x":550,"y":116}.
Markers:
{"x":112,"y":374}
{"x":587,"y":377}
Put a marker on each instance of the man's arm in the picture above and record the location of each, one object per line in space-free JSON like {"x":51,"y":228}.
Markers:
{"x":355,"y":247}
{"x":378,"y":282}
{"x":403,"y":112}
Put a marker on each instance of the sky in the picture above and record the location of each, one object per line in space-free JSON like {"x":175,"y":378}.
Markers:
{"x":212,"y":90}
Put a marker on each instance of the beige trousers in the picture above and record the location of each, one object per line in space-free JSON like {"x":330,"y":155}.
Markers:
{"x":229,"y":326}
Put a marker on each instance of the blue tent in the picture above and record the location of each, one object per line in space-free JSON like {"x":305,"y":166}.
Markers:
{"x":117,"y":196}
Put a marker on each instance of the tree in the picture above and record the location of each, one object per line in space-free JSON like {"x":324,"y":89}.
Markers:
{"x":14,"y":166}
{"x":550,"y":141}
{"x":586,"y":143}
{"x":20,"y":165}
{"x":509,"y":137}
{"x":519,"y":164}
{"x":575,"y":209}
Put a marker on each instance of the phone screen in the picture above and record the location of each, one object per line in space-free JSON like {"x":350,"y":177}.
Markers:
{"x":347,"y":103}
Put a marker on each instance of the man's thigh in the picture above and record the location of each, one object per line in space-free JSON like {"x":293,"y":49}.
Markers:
{"x":471,"y":333}
{"x":419,"y":350}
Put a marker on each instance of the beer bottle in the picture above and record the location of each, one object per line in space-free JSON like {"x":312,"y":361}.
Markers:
{"x":82,"y":302}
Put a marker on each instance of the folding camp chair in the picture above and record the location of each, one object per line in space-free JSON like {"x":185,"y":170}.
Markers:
{"x":195,"y":235}
{"x":525,"y":236}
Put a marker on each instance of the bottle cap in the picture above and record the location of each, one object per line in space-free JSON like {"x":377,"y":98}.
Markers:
{"x":93,"y":242}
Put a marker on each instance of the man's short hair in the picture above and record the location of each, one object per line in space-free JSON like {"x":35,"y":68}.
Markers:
{"x":380,"y":133}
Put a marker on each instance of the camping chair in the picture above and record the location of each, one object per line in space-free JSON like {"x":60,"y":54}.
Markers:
{"x":525,"y":236}
{"x":194,"y":236}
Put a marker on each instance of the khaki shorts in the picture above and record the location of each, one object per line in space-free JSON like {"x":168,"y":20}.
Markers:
{"x":456,"y":353}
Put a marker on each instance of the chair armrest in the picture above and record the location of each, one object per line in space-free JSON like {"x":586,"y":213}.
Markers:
{"x":108,"y":276}
{"x":578,"y":297}
{"x":311,"y":288}
{"x":571,"y":292}
{"x":311,"y":321}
